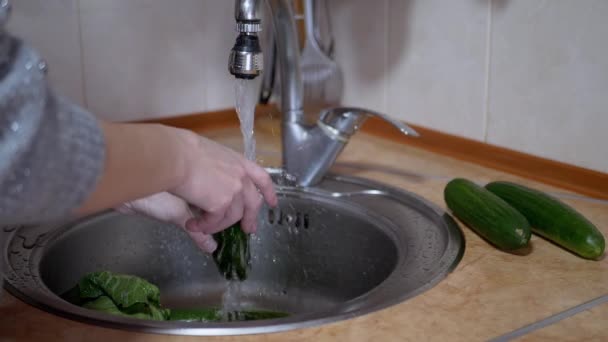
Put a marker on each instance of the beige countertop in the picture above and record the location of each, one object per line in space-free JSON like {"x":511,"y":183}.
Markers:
{"x":490,"y":293}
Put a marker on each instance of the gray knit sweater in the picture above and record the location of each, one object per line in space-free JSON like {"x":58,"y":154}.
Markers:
{"x":51,"y":151}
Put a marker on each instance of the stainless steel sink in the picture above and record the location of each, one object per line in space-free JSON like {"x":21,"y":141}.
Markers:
{"x":344,"y":248}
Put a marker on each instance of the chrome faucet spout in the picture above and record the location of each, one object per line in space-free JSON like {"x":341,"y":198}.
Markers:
{"x":246,"y":59}
{"x":247,"y":11}
{"x":309,"y":149}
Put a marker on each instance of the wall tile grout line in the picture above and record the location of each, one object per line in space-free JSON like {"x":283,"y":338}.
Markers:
{"x":551,"y":320}
{"x":488,"y":72}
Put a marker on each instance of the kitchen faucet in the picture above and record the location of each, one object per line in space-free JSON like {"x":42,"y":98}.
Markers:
{"x":309,"y":148}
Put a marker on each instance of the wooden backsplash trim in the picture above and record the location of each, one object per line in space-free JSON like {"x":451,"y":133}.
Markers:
{"x":581,"y":180}
{"x":210,"y":120}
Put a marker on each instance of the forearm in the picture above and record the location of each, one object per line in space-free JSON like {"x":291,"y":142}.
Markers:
{"x":140,"y":159}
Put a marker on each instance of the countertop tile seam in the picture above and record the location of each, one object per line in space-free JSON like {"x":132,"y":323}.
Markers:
{"x":543,"y":323}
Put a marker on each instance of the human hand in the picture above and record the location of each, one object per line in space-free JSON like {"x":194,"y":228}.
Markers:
{"x":224,"y":185}
{"x":188,"y":170}
{"x":166,"y":207}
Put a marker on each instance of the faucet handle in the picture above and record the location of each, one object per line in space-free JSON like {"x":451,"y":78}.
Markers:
{"x":342,"y":122}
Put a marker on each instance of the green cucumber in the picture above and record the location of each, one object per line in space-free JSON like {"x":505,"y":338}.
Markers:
{"x":487,"y":214}
{"x":553,"y":219}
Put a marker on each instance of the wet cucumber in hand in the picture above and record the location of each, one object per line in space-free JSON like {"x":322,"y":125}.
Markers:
{"x":553,"y":219}
{"x":487,"y":214}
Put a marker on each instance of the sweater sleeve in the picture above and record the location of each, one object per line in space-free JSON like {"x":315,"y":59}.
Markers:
{"x":51,"y":151}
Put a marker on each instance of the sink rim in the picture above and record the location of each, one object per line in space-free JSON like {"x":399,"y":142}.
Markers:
{"x":356,"y":306}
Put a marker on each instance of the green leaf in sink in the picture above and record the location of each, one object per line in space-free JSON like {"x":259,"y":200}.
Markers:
{"x":119,"y":294}
{"x":232,"y":255}
{"x":216,"y":315}
{"x":255,"y":315}
{"x":105,"y":304}
{"x":131,"y":296}
{"x":196,"y":315}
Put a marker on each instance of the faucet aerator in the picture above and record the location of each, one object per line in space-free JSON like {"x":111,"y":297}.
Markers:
{"x":246,"y":59}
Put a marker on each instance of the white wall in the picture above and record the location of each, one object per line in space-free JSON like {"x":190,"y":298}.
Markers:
{"x":531,"y":75}
{"x":131,"y":59}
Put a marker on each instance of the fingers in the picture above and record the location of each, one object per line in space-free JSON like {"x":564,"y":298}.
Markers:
{"x":167,"y":207}
{"x":244,"y":208}
{"x":180,"y":212}
{"x":208,"y":221}
{"x":162,"y":206}
{"x":215,"y":221}
{"x":202,"y":240}
{"x":227,"y":192}
{"x":262,"y":180}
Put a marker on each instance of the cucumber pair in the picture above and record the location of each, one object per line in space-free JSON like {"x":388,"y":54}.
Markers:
{"x":506,"y":214}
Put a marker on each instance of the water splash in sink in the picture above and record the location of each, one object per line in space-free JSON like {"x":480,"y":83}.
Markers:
{"x":231,"y":299}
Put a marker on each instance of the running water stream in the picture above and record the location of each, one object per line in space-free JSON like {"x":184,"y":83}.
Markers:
{"x":246,"y":94}
{"x":246,"y":98}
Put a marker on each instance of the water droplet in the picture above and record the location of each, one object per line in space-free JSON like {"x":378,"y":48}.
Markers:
{"x":29,"y":66}
{"x":14,"y":126}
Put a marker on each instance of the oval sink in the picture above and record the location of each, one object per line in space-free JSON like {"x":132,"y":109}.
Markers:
{"x":342,"y":249}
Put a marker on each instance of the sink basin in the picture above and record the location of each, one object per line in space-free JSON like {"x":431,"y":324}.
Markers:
{"x":344,"y":248}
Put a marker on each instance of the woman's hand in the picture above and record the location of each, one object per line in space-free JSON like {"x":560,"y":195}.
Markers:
{"x":156,"y":168}
{"x":224,"y":185}
{"x":166,"y":207}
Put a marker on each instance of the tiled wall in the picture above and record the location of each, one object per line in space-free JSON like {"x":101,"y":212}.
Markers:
{"x":131,"y":59}
{"x":531,"y":75}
